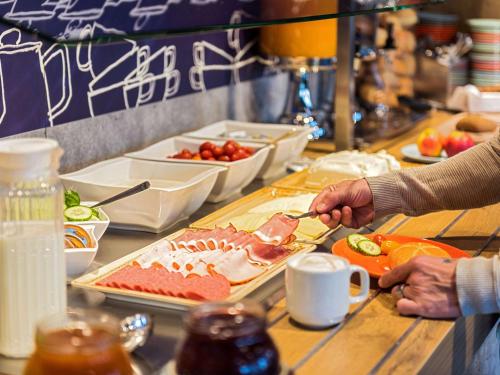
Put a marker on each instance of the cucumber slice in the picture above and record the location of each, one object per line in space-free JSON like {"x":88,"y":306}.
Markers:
{"x":370,"y":248}
{"x":353,"y":239}
{"x":78,"y":213}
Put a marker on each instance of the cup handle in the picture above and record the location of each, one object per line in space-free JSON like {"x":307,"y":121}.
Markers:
{"x":365,"y":284}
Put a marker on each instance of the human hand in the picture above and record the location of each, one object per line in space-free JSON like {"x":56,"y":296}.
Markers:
{"x":348,"y":202}
{"x":429,"y":287}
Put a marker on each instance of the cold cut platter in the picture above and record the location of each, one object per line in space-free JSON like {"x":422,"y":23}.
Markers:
{"x":196,"y":265}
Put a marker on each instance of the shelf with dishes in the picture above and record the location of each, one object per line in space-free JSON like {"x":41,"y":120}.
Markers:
{"x":80,"y":21}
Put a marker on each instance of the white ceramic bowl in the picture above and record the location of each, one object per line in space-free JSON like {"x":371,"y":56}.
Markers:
{"x":100,"y":226}
{"x":78,"y":261}
{"x":231,"y":180}
{"x":283,"y":150}
{"x":177,"y":190}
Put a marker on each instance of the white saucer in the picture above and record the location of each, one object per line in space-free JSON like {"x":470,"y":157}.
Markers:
{"x":411,"y":152}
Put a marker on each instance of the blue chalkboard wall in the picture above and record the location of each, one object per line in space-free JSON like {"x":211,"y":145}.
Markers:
{"x":45,"y":85}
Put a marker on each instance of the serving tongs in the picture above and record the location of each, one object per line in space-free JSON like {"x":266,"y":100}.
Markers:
{"x":124,"y":194}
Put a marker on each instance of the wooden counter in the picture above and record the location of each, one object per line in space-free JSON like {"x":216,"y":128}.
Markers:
{"x":374,"y":338}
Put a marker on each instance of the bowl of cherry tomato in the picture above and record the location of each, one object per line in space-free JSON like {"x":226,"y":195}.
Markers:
{"x":240,"y":161}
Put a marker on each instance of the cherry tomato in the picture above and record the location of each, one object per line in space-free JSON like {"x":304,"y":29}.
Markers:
{"x":378,"y":239}
{"x":206,"y":154}
{"x":218,"y":151}
{"x":211,"y":159}
{"x":238,"y":155}
{"x":248,"y":150}
{"x":207,"y":146}
{"x":229,"y":149}
{"x":224,"y":158}
{"x":388,"y":245}
{"x":196,"y":156}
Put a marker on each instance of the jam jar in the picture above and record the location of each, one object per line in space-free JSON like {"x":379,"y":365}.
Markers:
{"x":227,"y":339}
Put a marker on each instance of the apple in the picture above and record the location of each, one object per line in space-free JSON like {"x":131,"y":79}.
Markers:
{"x":457,"y":142}
{"x":429,"y":142}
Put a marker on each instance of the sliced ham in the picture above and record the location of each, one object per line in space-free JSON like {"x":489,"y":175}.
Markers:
{"x":266,"y":253}
{"x":277,"y":229}
{"x":234,"y":265}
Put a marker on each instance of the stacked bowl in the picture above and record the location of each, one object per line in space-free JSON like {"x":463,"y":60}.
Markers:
{"x":486,"y":51}
{"x":439,"y":28}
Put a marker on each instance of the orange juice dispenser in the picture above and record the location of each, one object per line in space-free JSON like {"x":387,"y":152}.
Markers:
{"x":303,"y":49}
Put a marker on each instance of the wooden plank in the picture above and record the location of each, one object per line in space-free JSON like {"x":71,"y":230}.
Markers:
{"x":359,"y":345}
{"x":477,"y":222}
{"x":438,"y":347}
{"x":293,"y":341}
{"x":429,"y":225}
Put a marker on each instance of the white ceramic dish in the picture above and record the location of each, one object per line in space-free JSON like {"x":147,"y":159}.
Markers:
{"x":283,"y":151}
{"x":176,"y":191}
{"x":78,"y":261}
{"x":411,"y":152}
{"x":231,"y":180}
{"x":100,"y":226}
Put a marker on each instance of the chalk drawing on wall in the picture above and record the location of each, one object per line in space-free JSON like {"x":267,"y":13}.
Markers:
{"x":63,"y":84}
{"x":15,"y":54}
{"x":233,"y":61}
{"x":137,"y":76}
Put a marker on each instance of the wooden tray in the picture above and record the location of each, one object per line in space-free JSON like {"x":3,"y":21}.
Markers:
{"x":238,"y":292}
{"x":296,"y":181}
{"x":243,"y":205}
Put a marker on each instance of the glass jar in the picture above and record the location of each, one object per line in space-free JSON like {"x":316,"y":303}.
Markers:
{"x":32,"y":263}
{"x":79,"y":343}
{"x":225,"y":338}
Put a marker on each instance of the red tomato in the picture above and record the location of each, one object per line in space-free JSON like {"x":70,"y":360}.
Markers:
{"x":224,"y":158}
{"x":211,"y":159}
{"x":207,"y":146}
{"x":248,"y":150}
{"x":218,"y":151}
{"x":378,"y":239}
{"x":238,"y":155}
{"x":206,"y":154}
{"x":229,"y":149}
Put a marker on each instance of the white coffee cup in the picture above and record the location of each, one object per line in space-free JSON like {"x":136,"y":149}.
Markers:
{"x":317,"y":288}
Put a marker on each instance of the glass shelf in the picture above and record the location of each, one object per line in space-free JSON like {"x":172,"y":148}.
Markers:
{"x":106,"y":21}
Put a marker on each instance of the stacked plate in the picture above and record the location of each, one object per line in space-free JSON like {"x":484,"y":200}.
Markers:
{"x":486,"y":51}
{"x":439,"y":28}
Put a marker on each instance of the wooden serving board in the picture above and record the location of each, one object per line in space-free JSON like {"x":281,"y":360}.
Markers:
{"x":246,"y":203}
{"x":238,"y":292}
{"x":296,"y":181}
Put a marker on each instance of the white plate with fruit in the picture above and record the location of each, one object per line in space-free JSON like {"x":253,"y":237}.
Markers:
{"x":432,"y":146}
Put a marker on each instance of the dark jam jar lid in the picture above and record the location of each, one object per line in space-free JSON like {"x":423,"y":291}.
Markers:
{"x":222,"y":320}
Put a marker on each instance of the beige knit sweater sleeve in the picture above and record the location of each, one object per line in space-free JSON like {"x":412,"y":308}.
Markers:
{"x":468,"y":180}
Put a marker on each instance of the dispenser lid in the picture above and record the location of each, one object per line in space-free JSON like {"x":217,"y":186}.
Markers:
{"x":21,"y":155}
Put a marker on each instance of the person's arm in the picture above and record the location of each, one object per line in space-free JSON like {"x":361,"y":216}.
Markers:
{"x":468,"y":180}
{"x":478,"y":285}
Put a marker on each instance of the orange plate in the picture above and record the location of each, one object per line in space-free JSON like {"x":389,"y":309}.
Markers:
{"x":377,"y":266}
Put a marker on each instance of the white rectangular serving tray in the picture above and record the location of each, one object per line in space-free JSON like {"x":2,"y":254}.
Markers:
{"x":174,"y":303}
{"x":289,"y":141}
{"x":176,"y":192}
{"x":235,"y":176}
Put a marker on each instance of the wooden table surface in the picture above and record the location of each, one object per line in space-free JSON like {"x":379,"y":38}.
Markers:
{"x":374,"y":338}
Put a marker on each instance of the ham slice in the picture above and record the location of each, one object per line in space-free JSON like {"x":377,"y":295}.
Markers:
{"x":266,"y":253}
{"x":234,"y":265}
{"x":277,"y":230}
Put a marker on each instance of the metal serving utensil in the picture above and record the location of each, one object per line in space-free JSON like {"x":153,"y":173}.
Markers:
{"x":135,"y":331}
{"x":301,"y":216}
{"x":124,"y":194}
